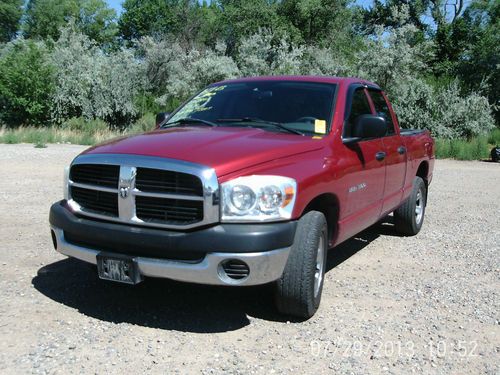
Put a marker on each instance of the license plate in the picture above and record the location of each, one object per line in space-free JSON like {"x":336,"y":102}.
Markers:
{"x":119,"y":269}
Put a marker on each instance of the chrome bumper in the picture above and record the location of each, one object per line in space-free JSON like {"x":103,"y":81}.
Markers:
{"x":264,"y":266}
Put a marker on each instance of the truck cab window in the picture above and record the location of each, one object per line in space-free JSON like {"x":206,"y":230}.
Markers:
{"x":382,"y":109}
{"x":359,"y":106}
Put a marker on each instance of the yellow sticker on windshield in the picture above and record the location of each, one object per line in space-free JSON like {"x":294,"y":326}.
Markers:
{"x":320,"y":126}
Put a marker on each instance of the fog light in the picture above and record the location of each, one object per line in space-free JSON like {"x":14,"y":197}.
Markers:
{"x":234,"y":269}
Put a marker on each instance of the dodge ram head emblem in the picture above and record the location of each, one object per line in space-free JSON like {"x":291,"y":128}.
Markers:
{"x":124,"y":192}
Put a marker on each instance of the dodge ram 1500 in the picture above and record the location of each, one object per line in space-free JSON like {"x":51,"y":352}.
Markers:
{"x":249,"y":182}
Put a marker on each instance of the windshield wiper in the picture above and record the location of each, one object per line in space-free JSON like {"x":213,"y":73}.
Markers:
{"x":188,"y":120}
{"x":278,"y":125}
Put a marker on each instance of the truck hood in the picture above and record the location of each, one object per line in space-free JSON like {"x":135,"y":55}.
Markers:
{"x":226,"y":149}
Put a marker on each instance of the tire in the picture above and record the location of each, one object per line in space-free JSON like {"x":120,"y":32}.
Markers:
{"x":297,"y":292}
{"x":409,"y":217}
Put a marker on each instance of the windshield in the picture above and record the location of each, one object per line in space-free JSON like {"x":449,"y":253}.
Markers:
{"x":302,"y":107}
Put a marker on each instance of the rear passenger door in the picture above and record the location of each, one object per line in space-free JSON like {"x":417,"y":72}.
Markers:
{"x":395,"y":159}
{"x":366,"y":174}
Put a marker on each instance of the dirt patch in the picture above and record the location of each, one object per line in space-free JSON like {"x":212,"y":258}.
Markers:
{"x":426,"y":304}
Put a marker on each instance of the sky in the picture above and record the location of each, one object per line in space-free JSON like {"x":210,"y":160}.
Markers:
{"x":117,"y":4}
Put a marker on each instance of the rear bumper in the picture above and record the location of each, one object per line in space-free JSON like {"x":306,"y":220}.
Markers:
{"x":263,"y":247}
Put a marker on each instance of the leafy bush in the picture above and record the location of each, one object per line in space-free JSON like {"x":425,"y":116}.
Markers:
{"x":393,"y":59}
{"x":93,"y":84}
{"x":26,"y":83}
{"x":325,"y":61}
{"x":254,"y":54}
{"x":445,"y":111}
{"x":175,"y":72}
{"x":463,"y":116}
{"x":263,"y":53}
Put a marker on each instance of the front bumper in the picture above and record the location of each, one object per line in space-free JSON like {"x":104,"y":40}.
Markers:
{"x":195,"y":256}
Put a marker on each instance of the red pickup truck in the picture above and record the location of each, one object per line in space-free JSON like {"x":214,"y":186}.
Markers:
{"x":249,"y":182}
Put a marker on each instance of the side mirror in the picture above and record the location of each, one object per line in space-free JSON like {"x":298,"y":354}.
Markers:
{"x":369,"y":126}
{"x":160,"y":118}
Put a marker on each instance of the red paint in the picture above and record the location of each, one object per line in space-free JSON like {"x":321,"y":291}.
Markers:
{"x":320,"y":166}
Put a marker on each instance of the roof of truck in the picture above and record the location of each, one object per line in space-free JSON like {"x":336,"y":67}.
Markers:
{"x":324,"y":79}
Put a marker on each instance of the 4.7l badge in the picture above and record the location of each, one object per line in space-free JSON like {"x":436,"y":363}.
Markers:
{"x":355,"y":188}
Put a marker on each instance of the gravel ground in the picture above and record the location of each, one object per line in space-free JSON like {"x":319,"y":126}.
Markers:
{"x":427,"y":304}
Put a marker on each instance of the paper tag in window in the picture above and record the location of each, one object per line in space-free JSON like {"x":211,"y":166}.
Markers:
{"x":320,"y":126}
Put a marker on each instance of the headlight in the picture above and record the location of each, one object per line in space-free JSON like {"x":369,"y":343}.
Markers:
{"x":258,"y":198}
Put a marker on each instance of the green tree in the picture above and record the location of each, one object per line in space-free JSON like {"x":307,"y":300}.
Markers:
{"x":380,"y":13}
{"x":481,"y":59}
{"x":45,"y":18}
{"x":26,"y":83}
{"x":147,"y":17}
{"x":319,"y":22}
{"x":10,"y":15}
{"x":188,"y":20}
{"x":96,"y":20}
{"x":243,"y":18}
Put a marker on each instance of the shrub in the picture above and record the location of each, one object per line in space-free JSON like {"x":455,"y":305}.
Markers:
{"x":26,"y":83}
{"x":394,"y":60}
{"x":463,"y":116}
{"x":174,"y":72}
{"x":254,"y":54}
{"x":445,"y":111}
{"x":326,"y":62}
{"x":263,"y":53}
{"x":93,"y":84}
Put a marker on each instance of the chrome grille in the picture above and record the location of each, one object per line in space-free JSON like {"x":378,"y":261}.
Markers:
{"x":154,"y":180}
{"x":168,"y":210}
{"x":143,"y":190}
{"x":96,"y":174}
{"x":98,"y":201}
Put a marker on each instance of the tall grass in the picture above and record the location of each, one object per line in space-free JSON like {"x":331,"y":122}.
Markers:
{"x":42,"y":136}
{"x":461,"y":149}
{"x":494,"y":137}
{"x":77,"y":131}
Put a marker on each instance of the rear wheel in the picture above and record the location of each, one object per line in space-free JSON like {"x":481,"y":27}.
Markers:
{"x":298,"y":291}
{"x":409,"y":217}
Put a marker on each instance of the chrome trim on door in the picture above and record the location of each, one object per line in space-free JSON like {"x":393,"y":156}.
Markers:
{"x":126,"y":190}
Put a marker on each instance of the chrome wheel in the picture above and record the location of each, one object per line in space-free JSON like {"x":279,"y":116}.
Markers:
{"x":320,"y":266}
{"x":419,"y":207}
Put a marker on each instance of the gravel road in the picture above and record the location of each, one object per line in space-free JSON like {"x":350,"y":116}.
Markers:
{"x":427,"y":304}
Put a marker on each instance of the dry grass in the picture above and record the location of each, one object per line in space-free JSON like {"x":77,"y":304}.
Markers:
{"x":473,"y":149}
{"x":41,"y":136}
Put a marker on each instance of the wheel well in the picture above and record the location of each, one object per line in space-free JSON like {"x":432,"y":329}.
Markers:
{"x":328,"y":204}
{"x":423,"y":171}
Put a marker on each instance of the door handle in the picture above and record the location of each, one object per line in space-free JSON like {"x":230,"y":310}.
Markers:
{"x":401,"y":150}
{"x":380,"y":155}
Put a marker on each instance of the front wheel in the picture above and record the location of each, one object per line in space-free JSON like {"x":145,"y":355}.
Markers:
{"x":409,"y":217}
{"x":298,"y":291}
